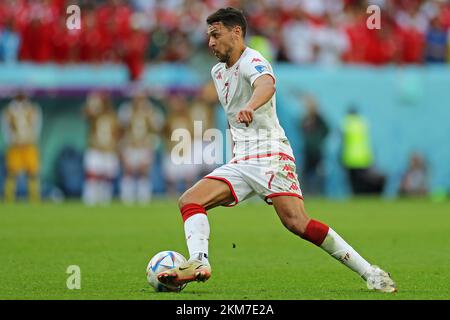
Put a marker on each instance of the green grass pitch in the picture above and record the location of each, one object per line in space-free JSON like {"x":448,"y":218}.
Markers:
{"x":252,"y":255}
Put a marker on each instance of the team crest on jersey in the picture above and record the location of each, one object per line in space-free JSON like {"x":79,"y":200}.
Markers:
{"x":260,"y":68}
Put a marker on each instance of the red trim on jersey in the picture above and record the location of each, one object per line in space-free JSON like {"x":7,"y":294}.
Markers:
{"x":284,"y":155}
{"x":278,"y":194}
{"x":229,"y":186}
{"x":315,"y":232}
{"x":191,"y":209}
{"x":92,"y":176}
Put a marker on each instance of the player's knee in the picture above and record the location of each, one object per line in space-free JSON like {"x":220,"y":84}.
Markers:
{"x":184,"y":200}
{"x":295,"y":223}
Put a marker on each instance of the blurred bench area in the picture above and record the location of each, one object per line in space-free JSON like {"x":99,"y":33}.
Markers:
{"x":406,"y":111}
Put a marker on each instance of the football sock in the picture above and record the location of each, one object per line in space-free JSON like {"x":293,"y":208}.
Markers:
{"x":326,"y":238}
{"x":342,"y":251}
{"x":10,"y":188}
{"x":106,"y":191}
{"x":196,"y":229}
{"x":34,"y":189}
{"x":127,"y":189}
{"x":89,"y":192}
{"x":143,"y":190}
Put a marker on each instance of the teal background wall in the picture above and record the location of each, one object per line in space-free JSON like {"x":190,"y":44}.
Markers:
{"x":408,"y":109}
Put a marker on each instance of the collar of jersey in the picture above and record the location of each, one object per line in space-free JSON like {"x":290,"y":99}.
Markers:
{"x":236,"y":63}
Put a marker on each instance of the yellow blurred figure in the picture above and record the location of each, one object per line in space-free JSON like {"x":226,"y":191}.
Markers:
{"x":22,"y":123}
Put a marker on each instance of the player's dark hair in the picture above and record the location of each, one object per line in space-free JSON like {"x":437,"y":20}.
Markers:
{"x":230,"y":17}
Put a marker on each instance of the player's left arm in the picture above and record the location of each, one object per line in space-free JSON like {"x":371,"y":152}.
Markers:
{"x":264,"y":89}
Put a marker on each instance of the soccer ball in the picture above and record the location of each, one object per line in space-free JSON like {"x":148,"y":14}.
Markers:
{"x":161,"y":261}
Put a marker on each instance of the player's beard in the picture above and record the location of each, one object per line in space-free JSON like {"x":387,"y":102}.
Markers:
{"x":224,"y":57}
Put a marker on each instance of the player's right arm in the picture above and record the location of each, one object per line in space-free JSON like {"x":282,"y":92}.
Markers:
{"x":264,"y":89}
{"x":258,"y":73}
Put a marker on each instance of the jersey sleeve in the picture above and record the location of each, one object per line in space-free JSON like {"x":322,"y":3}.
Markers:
{"x":254,"y":67}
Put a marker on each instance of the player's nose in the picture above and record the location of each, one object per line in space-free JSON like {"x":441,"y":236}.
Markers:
{"x":211,"y":43}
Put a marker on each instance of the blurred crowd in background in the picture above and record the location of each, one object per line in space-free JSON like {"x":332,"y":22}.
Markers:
{"x":123,"y":142}
{"x":299,"y":31}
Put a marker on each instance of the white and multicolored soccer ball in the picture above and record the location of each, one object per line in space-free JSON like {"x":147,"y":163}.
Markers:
{"x":162,"y":261}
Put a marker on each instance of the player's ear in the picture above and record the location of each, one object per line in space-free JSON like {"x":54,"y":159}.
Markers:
{"x":237,"y":31}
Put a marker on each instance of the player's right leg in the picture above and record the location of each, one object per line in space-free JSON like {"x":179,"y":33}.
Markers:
{"x":92,"y":189}
{"x":205,"y":194}
{"x":10,"y":187}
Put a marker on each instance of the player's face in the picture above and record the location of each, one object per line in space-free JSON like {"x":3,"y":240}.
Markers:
{"x":221,"y":40}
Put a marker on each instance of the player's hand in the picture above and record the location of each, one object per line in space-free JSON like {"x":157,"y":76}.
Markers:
{"x":245,"y":116}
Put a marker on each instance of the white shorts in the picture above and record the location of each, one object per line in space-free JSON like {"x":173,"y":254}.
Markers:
{"x":101,"y":164}
{"x":265,"y":175}
{"x":136,"y":158}
{"x":176,"y":172}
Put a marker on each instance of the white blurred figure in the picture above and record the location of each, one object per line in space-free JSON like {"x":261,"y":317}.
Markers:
{"x":101,"y":162}
{"x":331,"y":42}
{"x":140,"y":121}
{"x":301,"y":50}
{"x":179,"y":165}
{"x":203,"y":111}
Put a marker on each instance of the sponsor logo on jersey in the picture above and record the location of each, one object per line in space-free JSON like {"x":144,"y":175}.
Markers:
{"x":260,"y":68}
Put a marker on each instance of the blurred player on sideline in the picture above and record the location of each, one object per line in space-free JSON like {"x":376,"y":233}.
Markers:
{"x":203,"y":110}
{"x":22,"y":124}
{"x":263,"y":162}
{"x":101,"y":162}
{"x":178,"y":165}
{"x":140,"y":122}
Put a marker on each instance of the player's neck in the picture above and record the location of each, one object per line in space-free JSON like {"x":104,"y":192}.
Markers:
{"x":234,"y":57}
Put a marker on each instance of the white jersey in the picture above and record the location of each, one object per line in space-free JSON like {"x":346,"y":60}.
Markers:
{"x":234,"y":87}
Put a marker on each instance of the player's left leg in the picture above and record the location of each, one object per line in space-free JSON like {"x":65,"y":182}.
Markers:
{"x":110,"y":170}
{"x":293,"y":215}
{"x":144,"y":189}
{"x":127,"y":183}
{"x":32,"y":168}
{"x":13,"y":167}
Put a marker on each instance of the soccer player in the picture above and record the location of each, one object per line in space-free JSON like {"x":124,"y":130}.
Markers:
{"x":22,"y":123}
{"x":245,"y":84}
{"x":177,"y":166}
{"x":140,"y":122}
{"x":100,"y":161}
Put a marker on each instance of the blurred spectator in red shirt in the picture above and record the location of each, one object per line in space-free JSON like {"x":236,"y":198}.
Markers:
{"x":299,"y":31}
{"x":134,"y":48}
